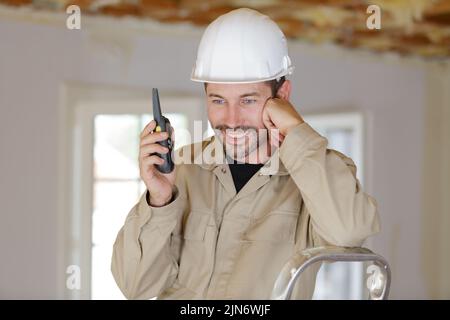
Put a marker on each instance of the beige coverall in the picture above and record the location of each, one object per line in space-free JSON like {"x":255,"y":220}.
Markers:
{"x":211,"y":243}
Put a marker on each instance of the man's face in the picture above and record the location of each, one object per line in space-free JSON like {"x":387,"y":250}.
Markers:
{"x":235,"y":113}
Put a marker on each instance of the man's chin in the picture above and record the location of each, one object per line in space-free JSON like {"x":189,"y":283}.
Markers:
{"x":239,"y":153}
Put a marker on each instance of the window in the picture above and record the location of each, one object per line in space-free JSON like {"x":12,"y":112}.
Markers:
{"x":117,"y":186}
{"x":104,"y":181}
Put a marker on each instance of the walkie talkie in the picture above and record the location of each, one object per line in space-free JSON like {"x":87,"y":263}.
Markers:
{"x":162,"y":125}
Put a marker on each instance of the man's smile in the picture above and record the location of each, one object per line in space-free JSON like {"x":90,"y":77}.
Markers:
{"x":235,"y":137}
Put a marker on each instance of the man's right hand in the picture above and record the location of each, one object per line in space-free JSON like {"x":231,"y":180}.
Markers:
{"x":159,"y":185}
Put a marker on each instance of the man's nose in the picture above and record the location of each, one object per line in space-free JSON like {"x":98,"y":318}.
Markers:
{"x":233,"y":117}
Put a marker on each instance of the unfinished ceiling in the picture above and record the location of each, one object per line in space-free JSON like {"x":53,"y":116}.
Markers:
{"x":420,"y":27}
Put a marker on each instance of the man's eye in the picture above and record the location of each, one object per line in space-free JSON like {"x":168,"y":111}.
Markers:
{"x":248,"y":101}
{"x":218,"y":101}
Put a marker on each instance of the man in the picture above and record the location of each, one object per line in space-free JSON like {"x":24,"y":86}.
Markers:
{"x":224,"y":230}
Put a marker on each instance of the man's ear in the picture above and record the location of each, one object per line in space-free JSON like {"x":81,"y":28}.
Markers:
{"x":285,"y":90}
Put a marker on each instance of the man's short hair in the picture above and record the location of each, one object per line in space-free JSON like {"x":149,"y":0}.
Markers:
{"x":275,"y":85}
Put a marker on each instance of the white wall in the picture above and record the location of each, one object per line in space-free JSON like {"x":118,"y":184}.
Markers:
{"x":37,"y":58}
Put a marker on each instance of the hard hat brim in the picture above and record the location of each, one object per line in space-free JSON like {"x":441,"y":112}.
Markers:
{"x":289,"y":71}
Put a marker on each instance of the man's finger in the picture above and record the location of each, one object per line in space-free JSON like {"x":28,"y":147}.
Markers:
{"x":151,"y":160}
{"x":267,"y":121}
{"x":148,"y":128}
{"x":154,"y":137}
{"x":152,"y":148}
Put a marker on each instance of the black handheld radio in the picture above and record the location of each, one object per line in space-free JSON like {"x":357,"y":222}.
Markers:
{"x":162,"y":125}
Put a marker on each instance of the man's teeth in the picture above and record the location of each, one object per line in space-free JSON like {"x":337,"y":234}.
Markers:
{"x":235,"y":134}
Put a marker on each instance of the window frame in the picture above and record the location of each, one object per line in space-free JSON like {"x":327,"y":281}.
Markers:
{"x":344,"y":120}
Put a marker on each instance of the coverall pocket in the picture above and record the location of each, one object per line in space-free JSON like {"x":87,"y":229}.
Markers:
{"x":195,"y":226}
{"x":274,"y":227}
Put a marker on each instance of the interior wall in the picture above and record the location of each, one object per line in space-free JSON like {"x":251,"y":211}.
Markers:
{"x":436,"y":185}
{"x":37,"y":58}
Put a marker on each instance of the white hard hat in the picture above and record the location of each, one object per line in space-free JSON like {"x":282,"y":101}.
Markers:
{"x":242,"y":46}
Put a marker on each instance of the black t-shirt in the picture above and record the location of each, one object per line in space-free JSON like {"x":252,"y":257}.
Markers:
{"x":242,"y":172}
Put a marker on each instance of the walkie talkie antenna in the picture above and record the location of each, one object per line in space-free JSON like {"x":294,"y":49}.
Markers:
{"x":157,"y":115}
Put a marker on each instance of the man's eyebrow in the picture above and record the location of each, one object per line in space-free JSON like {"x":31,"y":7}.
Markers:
{"x":214,"y":95}
{"x":250,"y":94}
